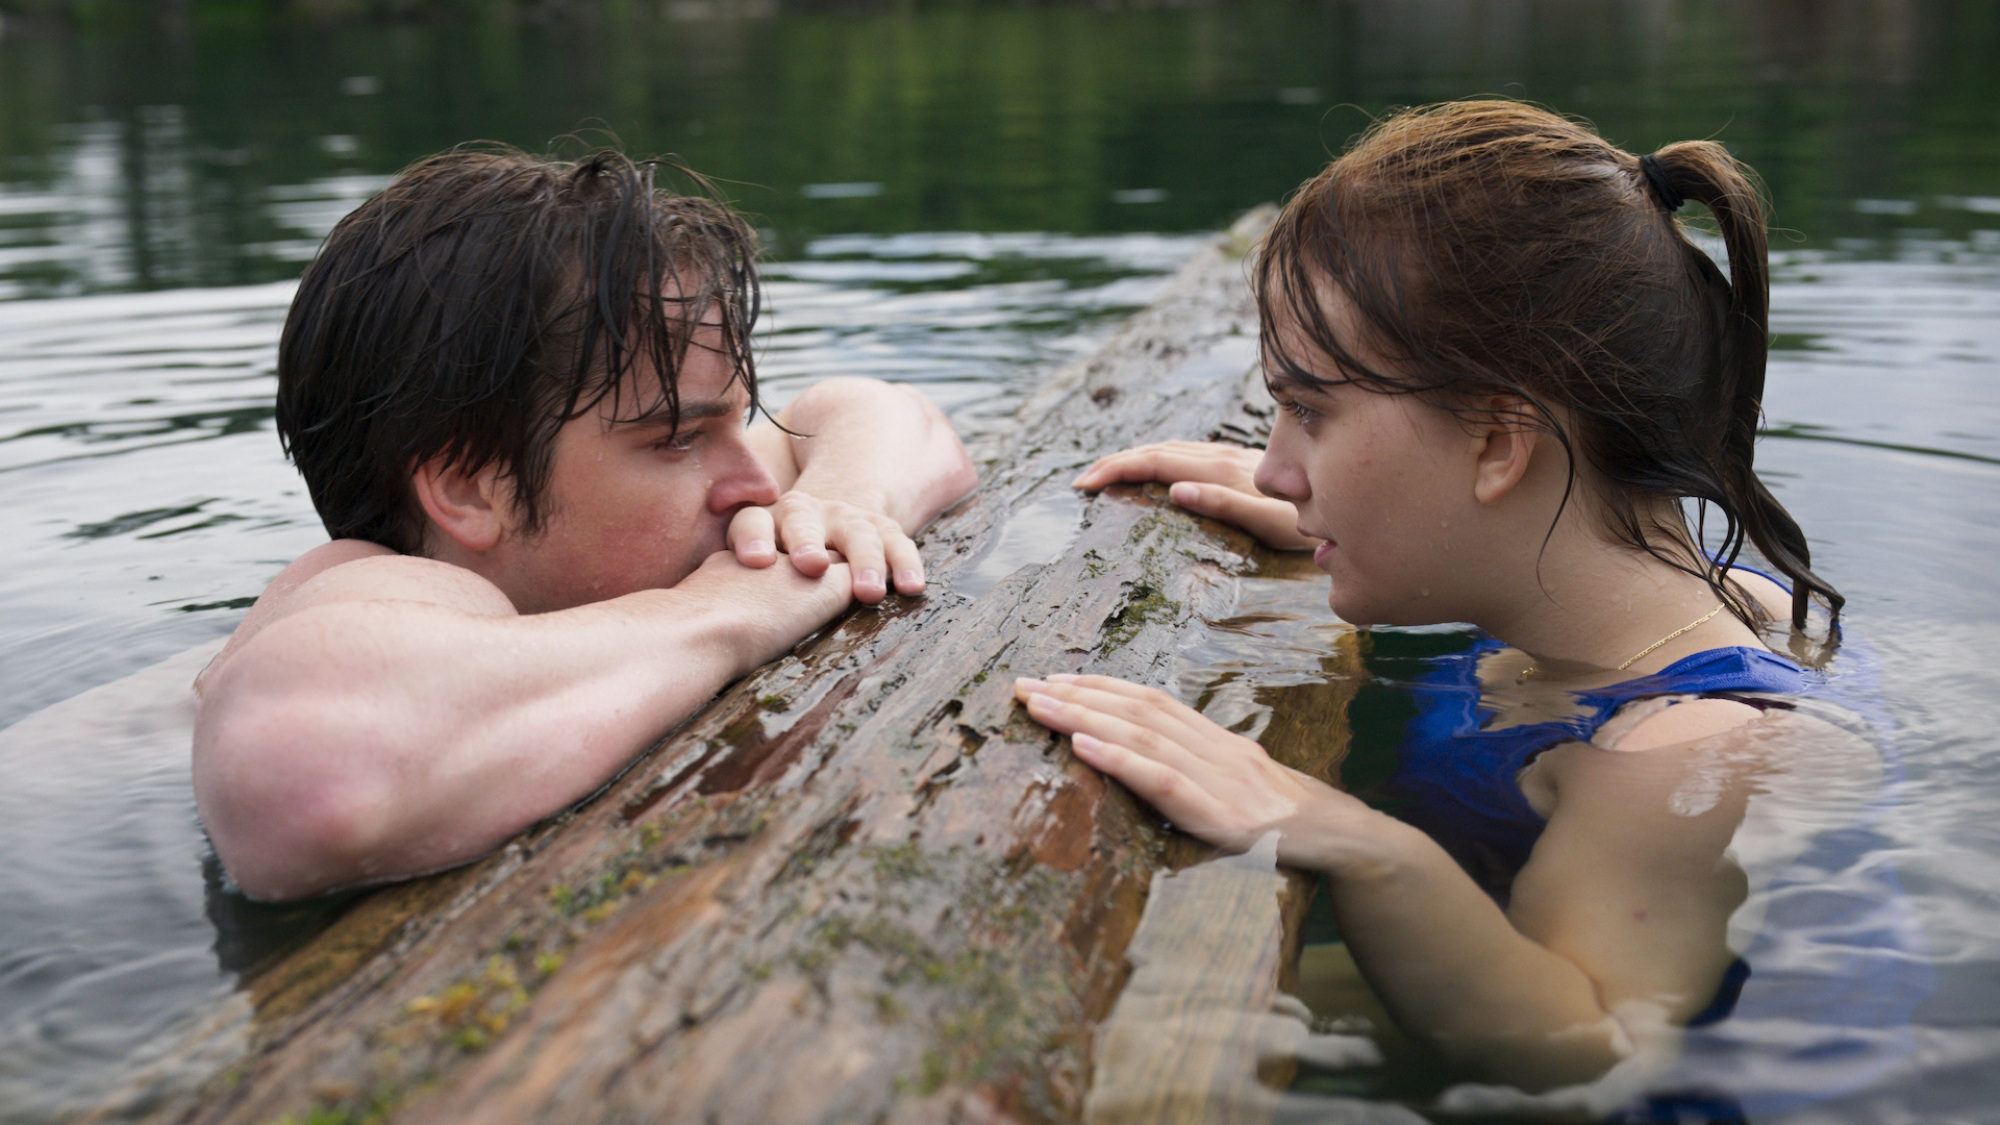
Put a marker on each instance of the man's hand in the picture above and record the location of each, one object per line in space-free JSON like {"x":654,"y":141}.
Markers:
{"x":808,"y":528}
{"x":1210,"y":479}
{"x":866,"y":465}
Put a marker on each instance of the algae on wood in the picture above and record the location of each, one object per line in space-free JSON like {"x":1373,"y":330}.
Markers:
{"x":860,"y":885}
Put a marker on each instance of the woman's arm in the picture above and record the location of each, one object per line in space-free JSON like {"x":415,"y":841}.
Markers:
{"x":1614,"y":935}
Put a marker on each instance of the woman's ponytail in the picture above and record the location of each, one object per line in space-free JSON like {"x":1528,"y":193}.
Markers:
{"x":1704,"y":172}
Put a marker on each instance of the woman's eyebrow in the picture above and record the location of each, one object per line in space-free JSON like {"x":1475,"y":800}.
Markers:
{"x":1282,"y":383}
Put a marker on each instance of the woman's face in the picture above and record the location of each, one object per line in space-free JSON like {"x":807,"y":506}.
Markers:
{"x":1386,"y":480}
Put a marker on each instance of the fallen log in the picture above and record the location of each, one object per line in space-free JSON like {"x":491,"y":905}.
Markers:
{"x":861,"y":885}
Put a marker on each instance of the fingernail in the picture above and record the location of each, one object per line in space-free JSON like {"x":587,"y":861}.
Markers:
{"x":1086,"y":742}
{"x":760,"y":547}
{"x":1029,"y":683}
{"x":909,"y":581}
{"x":869,"y":578}
{"x":1185,"y":493}
{"x":1062,"y":678}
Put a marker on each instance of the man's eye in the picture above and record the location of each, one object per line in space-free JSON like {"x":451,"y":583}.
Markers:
{"x":678,"y":442}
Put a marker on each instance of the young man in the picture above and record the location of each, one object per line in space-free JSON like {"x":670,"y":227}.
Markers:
{"x":517,"y":390}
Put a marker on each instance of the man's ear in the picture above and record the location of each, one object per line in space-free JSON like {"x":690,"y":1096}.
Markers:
{"x":1508,"y":439}
{"x":474,"y":510}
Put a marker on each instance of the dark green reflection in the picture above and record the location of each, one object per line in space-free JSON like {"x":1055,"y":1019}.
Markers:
{"x":149,"y":145}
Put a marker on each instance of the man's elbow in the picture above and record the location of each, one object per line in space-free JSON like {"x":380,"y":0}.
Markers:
{"x":277,"y":788}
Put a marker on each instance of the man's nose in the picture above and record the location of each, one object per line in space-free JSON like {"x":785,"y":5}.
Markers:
{"x":745,"y":481}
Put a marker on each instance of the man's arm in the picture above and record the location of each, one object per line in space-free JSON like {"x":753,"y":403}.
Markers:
{"x":381,"y":716}
{"x":866,"y":465}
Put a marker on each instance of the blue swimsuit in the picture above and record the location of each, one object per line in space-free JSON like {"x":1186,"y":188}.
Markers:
{"x":1456,"y":779}
{"x":1820,"y":1004}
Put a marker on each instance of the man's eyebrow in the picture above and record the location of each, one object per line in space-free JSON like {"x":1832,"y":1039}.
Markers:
{"x":659,"y":415}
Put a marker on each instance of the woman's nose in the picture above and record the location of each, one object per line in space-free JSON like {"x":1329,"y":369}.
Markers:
{"x":1281,"y":475}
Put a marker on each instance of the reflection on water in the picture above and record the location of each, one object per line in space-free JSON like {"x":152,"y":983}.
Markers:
{"x":209,"y":144}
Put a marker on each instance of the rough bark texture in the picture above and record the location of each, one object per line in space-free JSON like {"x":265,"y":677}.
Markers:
{"x":861,"y":885}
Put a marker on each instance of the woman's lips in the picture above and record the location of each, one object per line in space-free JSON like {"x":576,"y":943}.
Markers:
{"x":1321,"y":553}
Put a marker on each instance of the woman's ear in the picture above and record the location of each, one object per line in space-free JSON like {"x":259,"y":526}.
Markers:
{"x":1508,"y":439}
{"x":474,"y":510}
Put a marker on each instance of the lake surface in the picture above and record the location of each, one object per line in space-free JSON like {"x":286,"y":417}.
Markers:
{"x":957,"y":196}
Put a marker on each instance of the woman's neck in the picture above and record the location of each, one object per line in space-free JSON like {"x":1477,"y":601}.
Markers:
{"x":1593,"y":605}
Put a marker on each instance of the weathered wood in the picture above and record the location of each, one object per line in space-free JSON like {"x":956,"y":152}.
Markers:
{"x":861,"y":885}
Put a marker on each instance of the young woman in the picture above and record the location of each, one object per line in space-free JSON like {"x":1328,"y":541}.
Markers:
{"x":1514,"y":393}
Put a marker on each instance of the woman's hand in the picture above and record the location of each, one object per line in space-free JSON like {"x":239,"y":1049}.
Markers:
{"x":1210,"y":782}
{"x":808,"y":528}
{"x":1210,"y":479}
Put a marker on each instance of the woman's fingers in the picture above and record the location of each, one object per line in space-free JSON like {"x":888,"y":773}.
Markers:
{"x":1224,"y":799}
{"x":1274,"y":522}
{"x":1164,"y":788}
{"x":1138,"y":718}
{"x":1212,"y":462}
{"x":1148,"y":708}
{"x":1065,"y":716}
{"x":753,"y":537}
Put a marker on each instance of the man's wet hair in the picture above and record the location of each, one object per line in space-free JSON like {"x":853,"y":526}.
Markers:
{"x":482,"y":300}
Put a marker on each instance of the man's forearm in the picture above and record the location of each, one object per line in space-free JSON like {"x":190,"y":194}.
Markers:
{"x":363,"y":741}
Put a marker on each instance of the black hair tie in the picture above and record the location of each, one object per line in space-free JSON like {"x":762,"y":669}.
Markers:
{"x":1656,"y":177}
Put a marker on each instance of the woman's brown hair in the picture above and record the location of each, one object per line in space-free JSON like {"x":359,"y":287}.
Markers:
{"x":1492,"y":247}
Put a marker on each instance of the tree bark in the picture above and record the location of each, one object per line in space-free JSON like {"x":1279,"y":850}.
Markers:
{"x":861,"y":885}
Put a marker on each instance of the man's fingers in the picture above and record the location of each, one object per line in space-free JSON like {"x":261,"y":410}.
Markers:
{"x":802,"y":532}
{"x":753,"y":538}
{"x":1274,"y":522}
{"x":906,"y":565}
{"x":861,"y":542}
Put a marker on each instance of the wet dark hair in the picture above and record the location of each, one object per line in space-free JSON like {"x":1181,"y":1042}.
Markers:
{"x":483,"y":299}
{"x":1491,"y":247}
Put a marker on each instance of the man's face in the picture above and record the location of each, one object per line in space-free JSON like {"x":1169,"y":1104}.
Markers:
{"x":634,"y":504}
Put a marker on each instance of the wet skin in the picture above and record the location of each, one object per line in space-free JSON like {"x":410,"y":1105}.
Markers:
{"x":1614,"y":934}
{"x":378,"y":715}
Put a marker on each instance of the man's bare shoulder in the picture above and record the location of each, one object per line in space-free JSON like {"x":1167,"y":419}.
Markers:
{"x":357,"y":570}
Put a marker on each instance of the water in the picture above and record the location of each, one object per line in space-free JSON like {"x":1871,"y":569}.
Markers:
{"x":164,"y":172}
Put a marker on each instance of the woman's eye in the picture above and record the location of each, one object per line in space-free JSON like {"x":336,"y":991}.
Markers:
{"x":1299,"y":410}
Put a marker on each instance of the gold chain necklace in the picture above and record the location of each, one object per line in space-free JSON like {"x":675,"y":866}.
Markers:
{"x":1635,"y":657}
